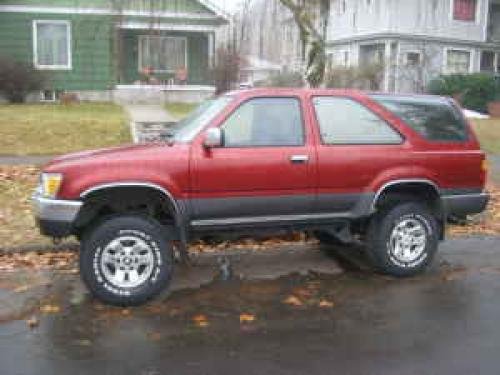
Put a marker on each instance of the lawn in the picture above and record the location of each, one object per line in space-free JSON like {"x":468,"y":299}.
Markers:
{"x":51,"y":129}
{"x":180,"y":110}
{"x":17,"y":226}
{"x":488,"y":132}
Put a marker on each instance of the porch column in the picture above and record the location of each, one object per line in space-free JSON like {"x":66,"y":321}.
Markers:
{"x":211,"y":49}
{"x":387,"y":65}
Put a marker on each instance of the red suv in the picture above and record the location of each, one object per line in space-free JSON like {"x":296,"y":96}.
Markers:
{"x":386,"y":169}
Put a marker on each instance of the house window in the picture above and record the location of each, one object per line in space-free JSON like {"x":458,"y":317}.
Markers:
{"x":464,"y":10}
{"x":162,"y":54}
{"x":488,"y":61}
{"x":458,"y":61}
{"x":413,"y":59}
{"x":52,"y":44}
{"x":48,"y":96}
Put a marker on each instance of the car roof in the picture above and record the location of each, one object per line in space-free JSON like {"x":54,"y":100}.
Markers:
{"x":276,"y":91}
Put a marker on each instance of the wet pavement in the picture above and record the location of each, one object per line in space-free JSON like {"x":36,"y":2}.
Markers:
{"x":353,"y":322}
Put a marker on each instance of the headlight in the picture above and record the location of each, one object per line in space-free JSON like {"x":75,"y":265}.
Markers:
{"x":50,"y":184}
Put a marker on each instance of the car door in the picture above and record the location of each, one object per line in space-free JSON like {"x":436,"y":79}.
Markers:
{"x":356,"y":147}
{"x":263,"y":170}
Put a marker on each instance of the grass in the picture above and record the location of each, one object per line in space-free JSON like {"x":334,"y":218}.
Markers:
{"x":180,"y":110}
{"x":17,"y":226}
{"x":488,"y":132}
{"x":52,"y":129}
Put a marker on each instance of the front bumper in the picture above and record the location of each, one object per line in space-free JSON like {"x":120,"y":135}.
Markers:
{"x":462,"y":205}
{"x":55,"y":217}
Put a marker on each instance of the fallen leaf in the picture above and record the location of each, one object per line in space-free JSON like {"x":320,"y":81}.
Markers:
{"x":325,"y":304}
{"x":154,"y":336}
{"x":292,"y":301}
{"x":32,"y":322}
{"x":247,"y":318}
{"x":84,"y":342}
{"x":50,"y":309}
{"x":21,"y":289}
{"x":201,"y":321}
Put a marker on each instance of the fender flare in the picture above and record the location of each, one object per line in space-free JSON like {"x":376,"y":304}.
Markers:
{"x":391,"y":183}
{"x":179,"y":214}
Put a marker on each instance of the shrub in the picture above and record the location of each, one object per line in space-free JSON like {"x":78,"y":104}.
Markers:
{"x":283,"y":79}
{"x":226,"y":71}
{"x":17,"y":80}
{"x":473,"y":91}
{"x":368,"y":77}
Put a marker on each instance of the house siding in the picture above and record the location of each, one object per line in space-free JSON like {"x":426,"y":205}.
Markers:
{"x":91,"y":49}
{"x":415,"y":17}
{"x":189,"y":6}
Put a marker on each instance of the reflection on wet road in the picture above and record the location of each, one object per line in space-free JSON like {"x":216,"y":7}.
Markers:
{"x":444,"y":322}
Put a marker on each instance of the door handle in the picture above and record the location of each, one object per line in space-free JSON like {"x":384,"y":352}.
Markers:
{"x":297,"y":159}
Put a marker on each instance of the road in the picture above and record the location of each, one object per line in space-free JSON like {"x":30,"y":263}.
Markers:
{"x":355,"y":322}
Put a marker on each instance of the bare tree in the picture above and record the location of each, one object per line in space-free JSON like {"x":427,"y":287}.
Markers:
{"x":313,"y":36}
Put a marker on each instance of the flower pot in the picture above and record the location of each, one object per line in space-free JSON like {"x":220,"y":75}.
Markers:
{"x":494,"y":108}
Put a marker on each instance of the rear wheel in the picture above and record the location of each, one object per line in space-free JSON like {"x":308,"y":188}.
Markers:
{"x":126,"y":260}
{"x":403,"y":239}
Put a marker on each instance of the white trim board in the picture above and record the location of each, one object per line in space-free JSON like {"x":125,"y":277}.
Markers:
{"x":104,"y":12}
{"x":471,"y":52}
{"x":69,"y":65}
{"x":166,"y":26}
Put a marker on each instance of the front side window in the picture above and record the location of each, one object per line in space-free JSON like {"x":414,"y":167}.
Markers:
{"x":435,"y":119}
{"x":162,"y":54}
{"x":458,"y":61}
{"x":52,"y":44}
{"x":265,"y":122}
{"x":188,"y":128}
{"x":345,"y":121}
{"x":464,"y":10}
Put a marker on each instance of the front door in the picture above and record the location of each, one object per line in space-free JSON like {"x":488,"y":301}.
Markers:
{"x":264,"y":170}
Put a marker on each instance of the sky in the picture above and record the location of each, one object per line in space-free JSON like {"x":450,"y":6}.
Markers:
{"x":228,"y":5}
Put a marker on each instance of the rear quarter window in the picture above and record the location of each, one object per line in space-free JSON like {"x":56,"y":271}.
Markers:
{"x":435,"y":119}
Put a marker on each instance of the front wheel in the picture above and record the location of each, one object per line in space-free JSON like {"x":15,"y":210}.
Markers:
{"x":403,"y":240}
{"x":126,"y":260}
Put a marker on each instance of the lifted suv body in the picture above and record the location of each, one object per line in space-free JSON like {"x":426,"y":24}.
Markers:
{"x":206,"y":181}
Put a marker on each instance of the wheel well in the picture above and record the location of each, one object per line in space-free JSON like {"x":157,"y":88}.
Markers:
{"x":423,"y":192}
{"x":140,"y":200}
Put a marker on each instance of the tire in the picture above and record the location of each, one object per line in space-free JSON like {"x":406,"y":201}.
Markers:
{"x":402,"y":240}
{"x":126,"y":260}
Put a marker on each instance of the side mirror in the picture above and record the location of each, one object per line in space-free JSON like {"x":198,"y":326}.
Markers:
{"x":213,"y":138}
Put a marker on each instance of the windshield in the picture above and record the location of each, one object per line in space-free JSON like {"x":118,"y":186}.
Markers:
{"x":187,"y":129}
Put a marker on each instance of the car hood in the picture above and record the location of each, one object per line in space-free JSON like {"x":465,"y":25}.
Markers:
{"x":115,"y":155}
{"x":104,"y":152}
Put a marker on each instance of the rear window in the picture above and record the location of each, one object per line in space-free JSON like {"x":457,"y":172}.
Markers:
{"x":433,"y":118}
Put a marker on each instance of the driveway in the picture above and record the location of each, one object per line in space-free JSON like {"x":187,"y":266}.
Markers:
{"x":443,"y":322}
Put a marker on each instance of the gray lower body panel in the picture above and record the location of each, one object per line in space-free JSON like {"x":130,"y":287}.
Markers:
{"x":275,"y":210}
{"x":461,"y":205}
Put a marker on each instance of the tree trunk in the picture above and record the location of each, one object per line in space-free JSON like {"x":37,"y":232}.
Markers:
{"x":314,"y":39}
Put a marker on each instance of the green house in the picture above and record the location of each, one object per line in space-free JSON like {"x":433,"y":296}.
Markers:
{"x":96,"y":47}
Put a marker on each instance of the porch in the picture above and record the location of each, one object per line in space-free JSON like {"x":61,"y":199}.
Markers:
{"x":159,"y":94}
{"x":161,"y":62}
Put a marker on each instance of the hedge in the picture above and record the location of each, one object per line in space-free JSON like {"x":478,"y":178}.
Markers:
{"x":473,"y":91}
